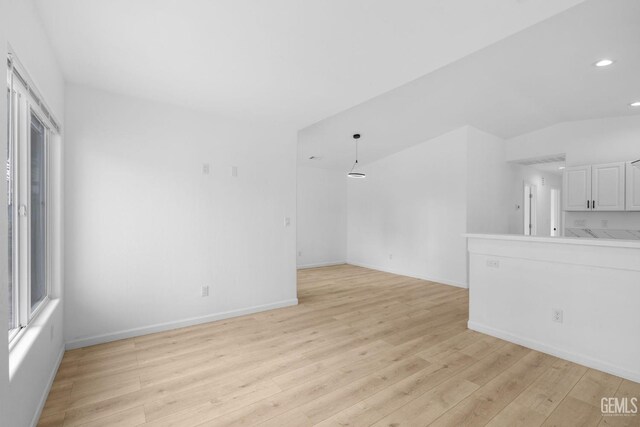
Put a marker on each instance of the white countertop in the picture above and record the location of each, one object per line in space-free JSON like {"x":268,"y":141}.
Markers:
{"x":614,"y":243}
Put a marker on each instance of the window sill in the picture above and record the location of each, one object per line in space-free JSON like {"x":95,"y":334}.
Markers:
{"x":41,"y":306}
{"x":21,"y":345}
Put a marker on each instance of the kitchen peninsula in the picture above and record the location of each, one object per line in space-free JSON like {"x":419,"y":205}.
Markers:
{"x":573,"y":298}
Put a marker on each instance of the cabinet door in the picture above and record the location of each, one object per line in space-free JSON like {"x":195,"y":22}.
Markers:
{"x":633,"y":188}
{"x":608,"y":186}
{"x":576,"y":184}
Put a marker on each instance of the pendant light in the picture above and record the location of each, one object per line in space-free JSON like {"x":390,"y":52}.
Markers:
{"x":353,"y":173}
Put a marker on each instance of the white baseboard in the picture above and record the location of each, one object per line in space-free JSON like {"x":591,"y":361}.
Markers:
{"x":408,"y":274}
{"x":321,"y":264}
{"x":581,"y":359}
{"x":160,"y":327}
{"x":45,"y":392}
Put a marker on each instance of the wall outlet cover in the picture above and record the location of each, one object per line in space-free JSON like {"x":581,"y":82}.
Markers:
{"x":556,"y":315}
{"x":493,"y":263}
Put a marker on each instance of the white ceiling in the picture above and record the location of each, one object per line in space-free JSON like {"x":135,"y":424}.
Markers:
{"x":533,"y":79}
{"x":288,"y":61}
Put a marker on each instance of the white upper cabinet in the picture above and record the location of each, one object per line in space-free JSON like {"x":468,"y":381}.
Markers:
{"x":577,"y":188}
{"x":633,"y":188}
{"x":608,"y":187}
{"x":596,"y":187}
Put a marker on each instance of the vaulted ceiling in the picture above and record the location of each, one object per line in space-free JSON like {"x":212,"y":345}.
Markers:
{"x":399,"y":72}
{"x":287,"y":61}
{"x":538,"y":77}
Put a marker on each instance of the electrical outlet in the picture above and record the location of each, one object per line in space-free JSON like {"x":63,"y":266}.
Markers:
{"x":493,"y":263}
{"x":556,"y":315}
{"x":605,"y":223}
{"x":205,"y":291}
{"x":390,"y":256}
{"x":234,"y":171}
{"x":579,"y":222}
{"x":287,"y":221}
{"x":299,"y":253}
{"x":206,"y":168}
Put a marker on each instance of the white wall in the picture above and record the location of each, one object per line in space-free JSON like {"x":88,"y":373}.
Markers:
{"x":322,"y":217}
{"x":146,"y":228}
{"x":34,"y":360}
{"x":489,"y":178}
{"x":409,"y":214}
{"x":586,"y":142}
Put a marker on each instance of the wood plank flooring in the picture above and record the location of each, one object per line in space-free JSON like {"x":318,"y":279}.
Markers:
{"x":363,"y":348}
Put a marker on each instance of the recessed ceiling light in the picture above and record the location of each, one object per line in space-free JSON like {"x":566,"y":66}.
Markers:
{"x":635,"y":104}
{"x":603,"y":63}
{"x":561,"y":167}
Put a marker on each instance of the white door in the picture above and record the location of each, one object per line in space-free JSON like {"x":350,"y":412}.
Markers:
{"x":608,"y":187}
{"x":633,"y":187}
{"x":554,"y":206}
{"x":576,"y":182}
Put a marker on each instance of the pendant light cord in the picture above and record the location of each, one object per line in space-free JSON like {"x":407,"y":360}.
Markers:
{"x":356,"y":162}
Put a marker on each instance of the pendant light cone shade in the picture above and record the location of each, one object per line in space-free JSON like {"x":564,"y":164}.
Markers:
{"x":353,"y":173}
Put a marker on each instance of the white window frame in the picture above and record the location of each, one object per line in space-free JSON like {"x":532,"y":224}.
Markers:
{"x":25,"y":101}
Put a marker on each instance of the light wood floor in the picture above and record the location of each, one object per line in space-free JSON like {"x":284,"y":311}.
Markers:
{"x":362,"y":348}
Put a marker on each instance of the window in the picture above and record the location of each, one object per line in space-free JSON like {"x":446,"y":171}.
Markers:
{"x":30,"y":129}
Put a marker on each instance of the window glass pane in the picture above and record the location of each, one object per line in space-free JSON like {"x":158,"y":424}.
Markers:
{"x":9,"y":179}
{"x":38,"y":212}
